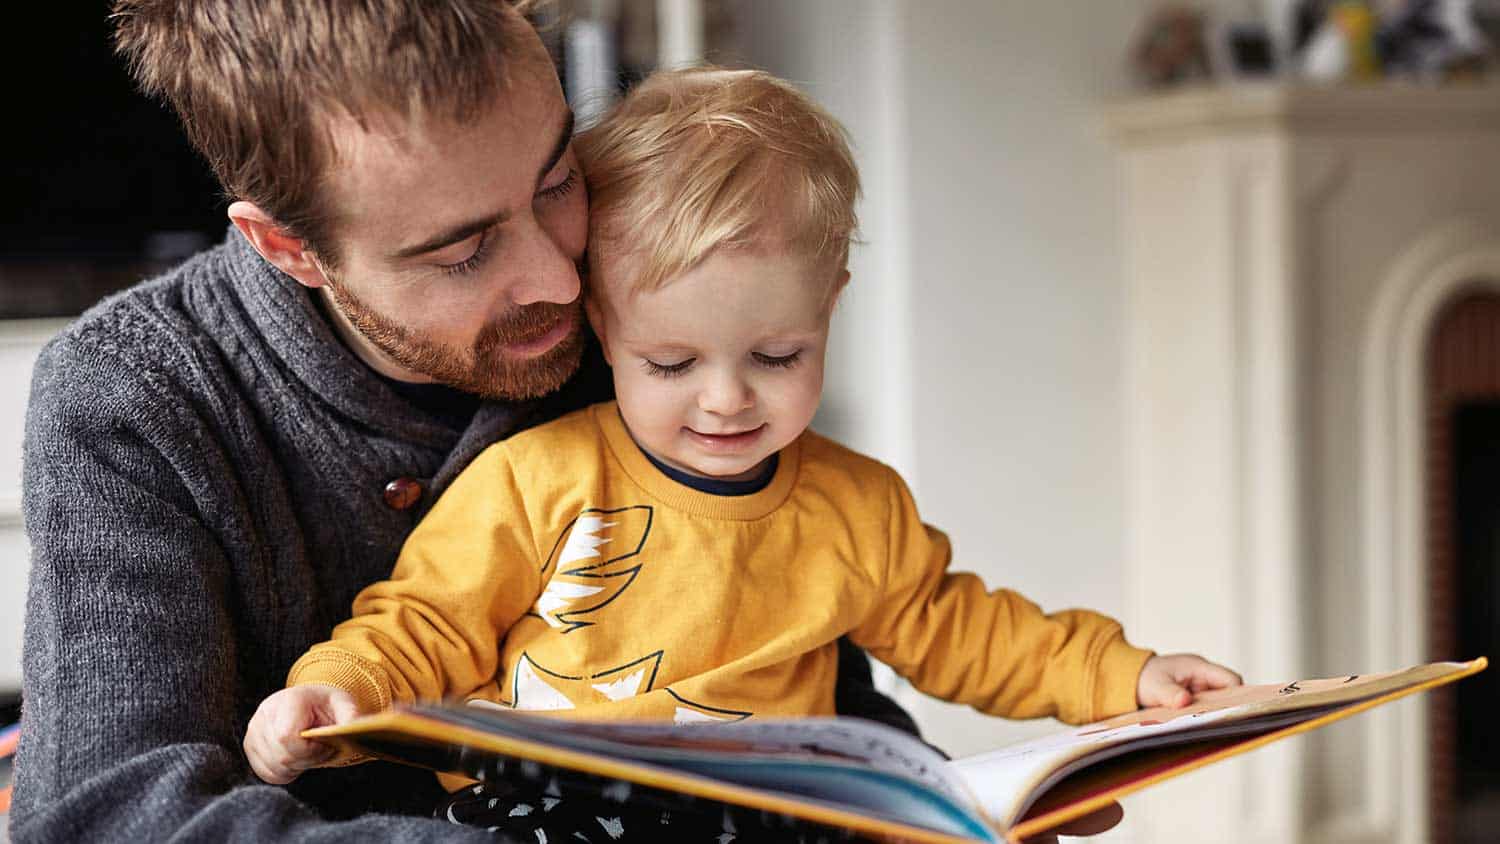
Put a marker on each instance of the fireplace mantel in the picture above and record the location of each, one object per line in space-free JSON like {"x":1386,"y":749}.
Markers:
{"x":1285,"y":249}
{"x":1305,"y":109}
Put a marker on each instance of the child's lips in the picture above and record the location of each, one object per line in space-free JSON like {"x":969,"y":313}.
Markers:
{"x":728,"y":442}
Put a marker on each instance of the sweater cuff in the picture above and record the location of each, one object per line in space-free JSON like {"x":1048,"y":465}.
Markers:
{"x":1118,"y":676}
{"x":362,"y":680}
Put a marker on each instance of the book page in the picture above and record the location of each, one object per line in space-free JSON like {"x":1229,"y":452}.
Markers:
{"x":1008,"y":780}
{"x":844,"y":740}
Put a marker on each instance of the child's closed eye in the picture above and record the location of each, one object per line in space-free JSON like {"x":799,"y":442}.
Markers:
{"x":666,"y":370}
{"x":778,"y":361}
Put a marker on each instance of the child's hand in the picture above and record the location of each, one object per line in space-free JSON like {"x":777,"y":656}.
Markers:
{"x":273,"y":742}
{"x":1173,"y":680}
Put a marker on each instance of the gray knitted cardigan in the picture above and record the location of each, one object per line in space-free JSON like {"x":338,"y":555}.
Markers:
{"x":203,"y":474}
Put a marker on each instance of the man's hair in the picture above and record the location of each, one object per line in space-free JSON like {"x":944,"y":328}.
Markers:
{"x":705,"y":158}
{"x":259,"y":85}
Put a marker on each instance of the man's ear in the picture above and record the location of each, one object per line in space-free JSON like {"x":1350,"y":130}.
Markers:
{"x":286,"y":253}
{"x":595,"y":314}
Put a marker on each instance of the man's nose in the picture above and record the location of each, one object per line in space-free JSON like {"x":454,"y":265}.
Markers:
{"x":543,"y":271}
{"x":725,"y":395}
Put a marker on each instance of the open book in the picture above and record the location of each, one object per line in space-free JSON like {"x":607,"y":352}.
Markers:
{"x":872,"y":779}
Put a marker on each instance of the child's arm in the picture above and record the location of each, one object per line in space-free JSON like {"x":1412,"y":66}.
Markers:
{"x":465,"y":575}
{"x":995,"y":651}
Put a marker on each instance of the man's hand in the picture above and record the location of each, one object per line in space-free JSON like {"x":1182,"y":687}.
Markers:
{"x":273,"y":742}
{"x":1173,"y":680}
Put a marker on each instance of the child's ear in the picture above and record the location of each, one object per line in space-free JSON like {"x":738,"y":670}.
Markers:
{"x":286,"y":253}
{"x":596,"y":319}
{"x":838,"y":289}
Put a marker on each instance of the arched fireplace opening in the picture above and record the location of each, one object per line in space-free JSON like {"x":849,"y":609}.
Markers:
{"x":1462,"y":388}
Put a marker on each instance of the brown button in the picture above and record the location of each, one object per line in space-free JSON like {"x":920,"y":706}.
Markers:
{"x":402,"y":493}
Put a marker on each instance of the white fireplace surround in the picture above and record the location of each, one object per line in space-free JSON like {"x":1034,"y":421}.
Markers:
{"x":1286,"y":253}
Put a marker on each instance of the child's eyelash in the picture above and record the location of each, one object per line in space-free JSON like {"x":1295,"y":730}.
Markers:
{"x":781,"y":362}
{"x":666,"y":370}
{"x":563,"y":188}
{"x":470,"y":263}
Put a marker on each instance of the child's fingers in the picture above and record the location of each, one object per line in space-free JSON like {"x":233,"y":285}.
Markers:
{"x":257,"y":749}
{"x":341,"y":707}
{"x":274,"y":745}
{"x":265,"y":771}
{"x":301,"y":753}
{"x":1199,"y":675}
{"x":279,"y":761}
{"x":1214,"y":676}
{"x":267,"y":761}
{"x":295,"y":754}
{"x":1161,"y":689}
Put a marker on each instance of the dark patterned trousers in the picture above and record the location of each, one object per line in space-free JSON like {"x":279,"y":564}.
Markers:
{"x":563,"y":807}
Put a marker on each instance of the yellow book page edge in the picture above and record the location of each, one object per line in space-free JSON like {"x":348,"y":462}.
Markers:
{"x":1051,"y":820}
{"x":399,"y":724}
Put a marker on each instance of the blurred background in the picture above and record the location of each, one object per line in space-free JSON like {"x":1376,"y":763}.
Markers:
{"x":1189,"y":313}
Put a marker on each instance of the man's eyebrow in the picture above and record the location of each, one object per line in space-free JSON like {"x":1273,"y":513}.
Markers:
{"x":564,"y":138}
{"x":456,"y":234}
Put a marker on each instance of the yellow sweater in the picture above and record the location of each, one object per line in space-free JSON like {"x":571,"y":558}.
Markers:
{"x":562,"y":571}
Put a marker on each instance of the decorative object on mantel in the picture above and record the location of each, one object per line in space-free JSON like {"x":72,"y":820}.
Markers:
{"x":1171,"y":49}
{"x":1324,"y":41}
{"x":1343,"y":48}
{"x":1435,"y":40}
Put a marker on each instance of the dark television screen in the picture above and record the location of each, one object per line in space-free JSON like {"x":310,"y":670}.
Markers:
{"x":103,"y":188}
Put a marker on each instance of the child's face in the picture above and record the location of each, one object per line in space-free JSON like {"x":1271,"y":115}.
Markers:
{"x":723,"y":366}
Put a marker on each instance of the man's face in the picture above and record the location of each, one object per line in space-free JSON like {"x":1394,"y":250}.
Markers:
{"x":458,"y":245}
{"x":723,"y":366}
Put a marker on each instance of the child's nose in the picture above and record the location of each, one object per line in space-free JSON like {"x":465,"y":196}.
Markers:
{"x":725,"y":395}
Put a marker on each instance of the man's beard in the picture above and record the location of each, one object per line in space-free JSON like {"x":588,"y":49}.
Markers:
{"x":484,"y":369}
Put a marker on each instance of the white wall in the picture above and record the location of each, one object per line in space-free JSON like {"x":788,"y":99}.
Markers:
{"x":979,"y":348}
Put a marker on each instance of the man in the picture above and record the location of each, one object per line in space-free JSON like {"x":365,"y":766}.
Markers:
{"x":218,"y":460}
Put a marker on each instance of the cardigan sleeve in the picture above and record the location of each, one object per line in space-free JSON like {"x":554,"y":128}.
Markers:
{"x":432,"y":630}
{"x":133,"y":720}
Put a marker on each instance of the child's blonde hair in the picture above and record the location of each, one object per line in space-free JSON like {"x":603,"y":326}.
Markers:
{"x":698,"y":159}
